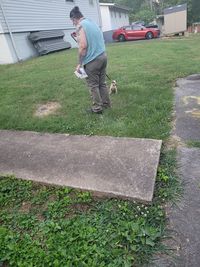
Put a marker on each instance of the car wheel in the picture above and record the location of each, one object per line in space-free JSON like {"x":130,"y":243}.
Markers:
{"x":149,"y":35}
{"x":121,"y":38}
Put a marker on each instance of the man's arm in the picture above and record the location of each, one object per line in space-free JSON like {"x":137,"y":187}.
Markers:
{"x":82,"y":41}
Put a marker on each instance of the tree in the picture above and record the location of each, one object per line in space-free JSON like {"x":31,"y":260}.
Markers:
{"x":146,"y":8}
{"x":145,"y":15}
{"x":195,"y":11}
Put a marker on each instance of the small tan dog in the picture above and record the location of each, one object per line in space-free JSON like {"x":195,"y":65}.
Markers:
{"x":113,"y":87}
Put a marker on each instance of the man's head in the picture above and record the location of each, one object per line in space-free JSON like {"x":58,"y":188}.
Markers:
{"x":75,"y":15}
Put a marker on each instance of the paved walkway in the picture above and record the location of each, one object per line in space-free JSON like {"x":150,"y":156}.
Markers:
{"x":124,"y":167}
{"x":184,"y":219}
{"x":187,"y":106}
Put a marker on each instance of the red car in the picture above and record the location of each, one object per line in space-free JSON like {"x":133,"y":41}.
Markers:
{"x":134,"y":32}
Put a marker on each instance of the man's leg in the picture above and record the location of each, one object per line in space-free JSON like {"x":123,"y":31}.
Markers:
{"x":103,"y":90}
{"x":93,"y":83}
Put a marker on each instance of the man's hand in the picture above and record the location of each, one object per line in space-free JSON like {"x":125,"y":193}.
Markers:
{"x":78,"y":68}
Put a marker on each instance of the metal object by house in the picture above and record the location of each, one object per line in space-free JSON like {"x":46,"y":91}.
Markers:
{"x":46,"y":42}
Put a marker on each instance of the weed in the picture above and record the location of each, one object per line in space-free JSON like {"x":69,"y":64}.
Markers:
{"x":193,"y":144}
{"x":168,"y":186}
{"x":42,"y":227}
{"x":112,"y":232}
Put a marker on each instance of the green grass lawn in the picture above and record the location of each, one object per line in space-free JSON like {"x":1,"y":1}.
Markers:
{"x":50,"y":226}
{"x":43,"y":225}
{"x":145,"y":72}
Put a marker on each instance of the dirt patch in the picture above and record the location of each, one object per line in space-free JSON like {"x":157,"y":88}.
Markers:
{"x":40,"y":217}
{"x":77,"y":208}
{"x":25,"y":207}
{"x":174,"y":141}
{"x":46,"y":109}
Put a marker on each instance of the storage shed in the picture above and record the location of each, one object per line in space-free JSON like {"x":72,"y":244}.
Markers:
{"x":175,"y":19}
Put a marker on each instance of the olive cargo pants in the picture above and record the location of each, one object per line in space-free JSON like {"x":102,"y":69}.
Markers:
{"x":96,"y":80}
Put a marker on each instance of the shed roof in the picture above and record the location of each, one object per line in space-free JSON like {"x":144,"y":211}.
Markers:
{"x":112,"y":5}
{"x":174,"y":9}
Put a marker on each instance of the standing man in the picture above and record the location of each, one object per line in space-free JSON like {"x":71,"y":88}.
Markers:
{"x":93,"y":57}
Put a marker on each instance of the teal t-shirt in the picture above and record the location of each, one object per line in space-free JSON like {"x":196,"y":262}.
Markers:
{"x":95,"y":40}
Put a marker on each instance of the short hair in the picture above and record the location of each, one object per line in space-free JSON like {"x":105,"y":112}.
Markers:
{"x":75,"y":13}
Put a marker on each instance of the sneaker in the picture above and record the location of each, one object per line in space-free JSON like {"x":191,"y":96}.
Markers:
{"x":106,"y":106}
{"x":90,"y":110}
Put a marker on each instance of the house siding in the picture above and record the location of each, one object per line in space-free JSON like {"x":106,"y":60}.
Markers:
{"x":6,"y":50}
{"x":35,"y":15}
{"x":105,"y":14}
{"x":113,"y":18}
{"x":1,"y":20}
{"x":119,"y":19}
{"x":27,"y":16}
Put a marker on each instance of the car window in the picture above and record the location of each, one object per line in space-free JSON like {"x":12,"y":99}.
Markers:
{"x":137,"y":27}
{"x":128,"y":28}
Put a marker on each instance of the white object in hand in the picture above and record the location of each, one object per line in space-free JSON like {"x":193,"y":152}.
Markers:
{"x":81,"y":73}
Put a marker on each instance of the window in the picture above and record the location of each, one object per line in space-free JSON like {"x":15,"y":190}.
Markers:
{"x":128,"y":28}
{"x":137,"y":27}
{"x":69,"y":0}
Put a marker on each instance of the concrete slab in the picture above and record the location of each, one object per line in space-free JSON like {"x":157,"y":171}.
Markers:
{"x":187,"y":106}
{"x":124,"y":167}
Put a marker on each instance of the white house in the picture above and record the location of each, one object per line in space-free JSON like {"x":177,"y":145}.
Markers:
{"x":19,"y":18}
{"x":113,"y":16}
